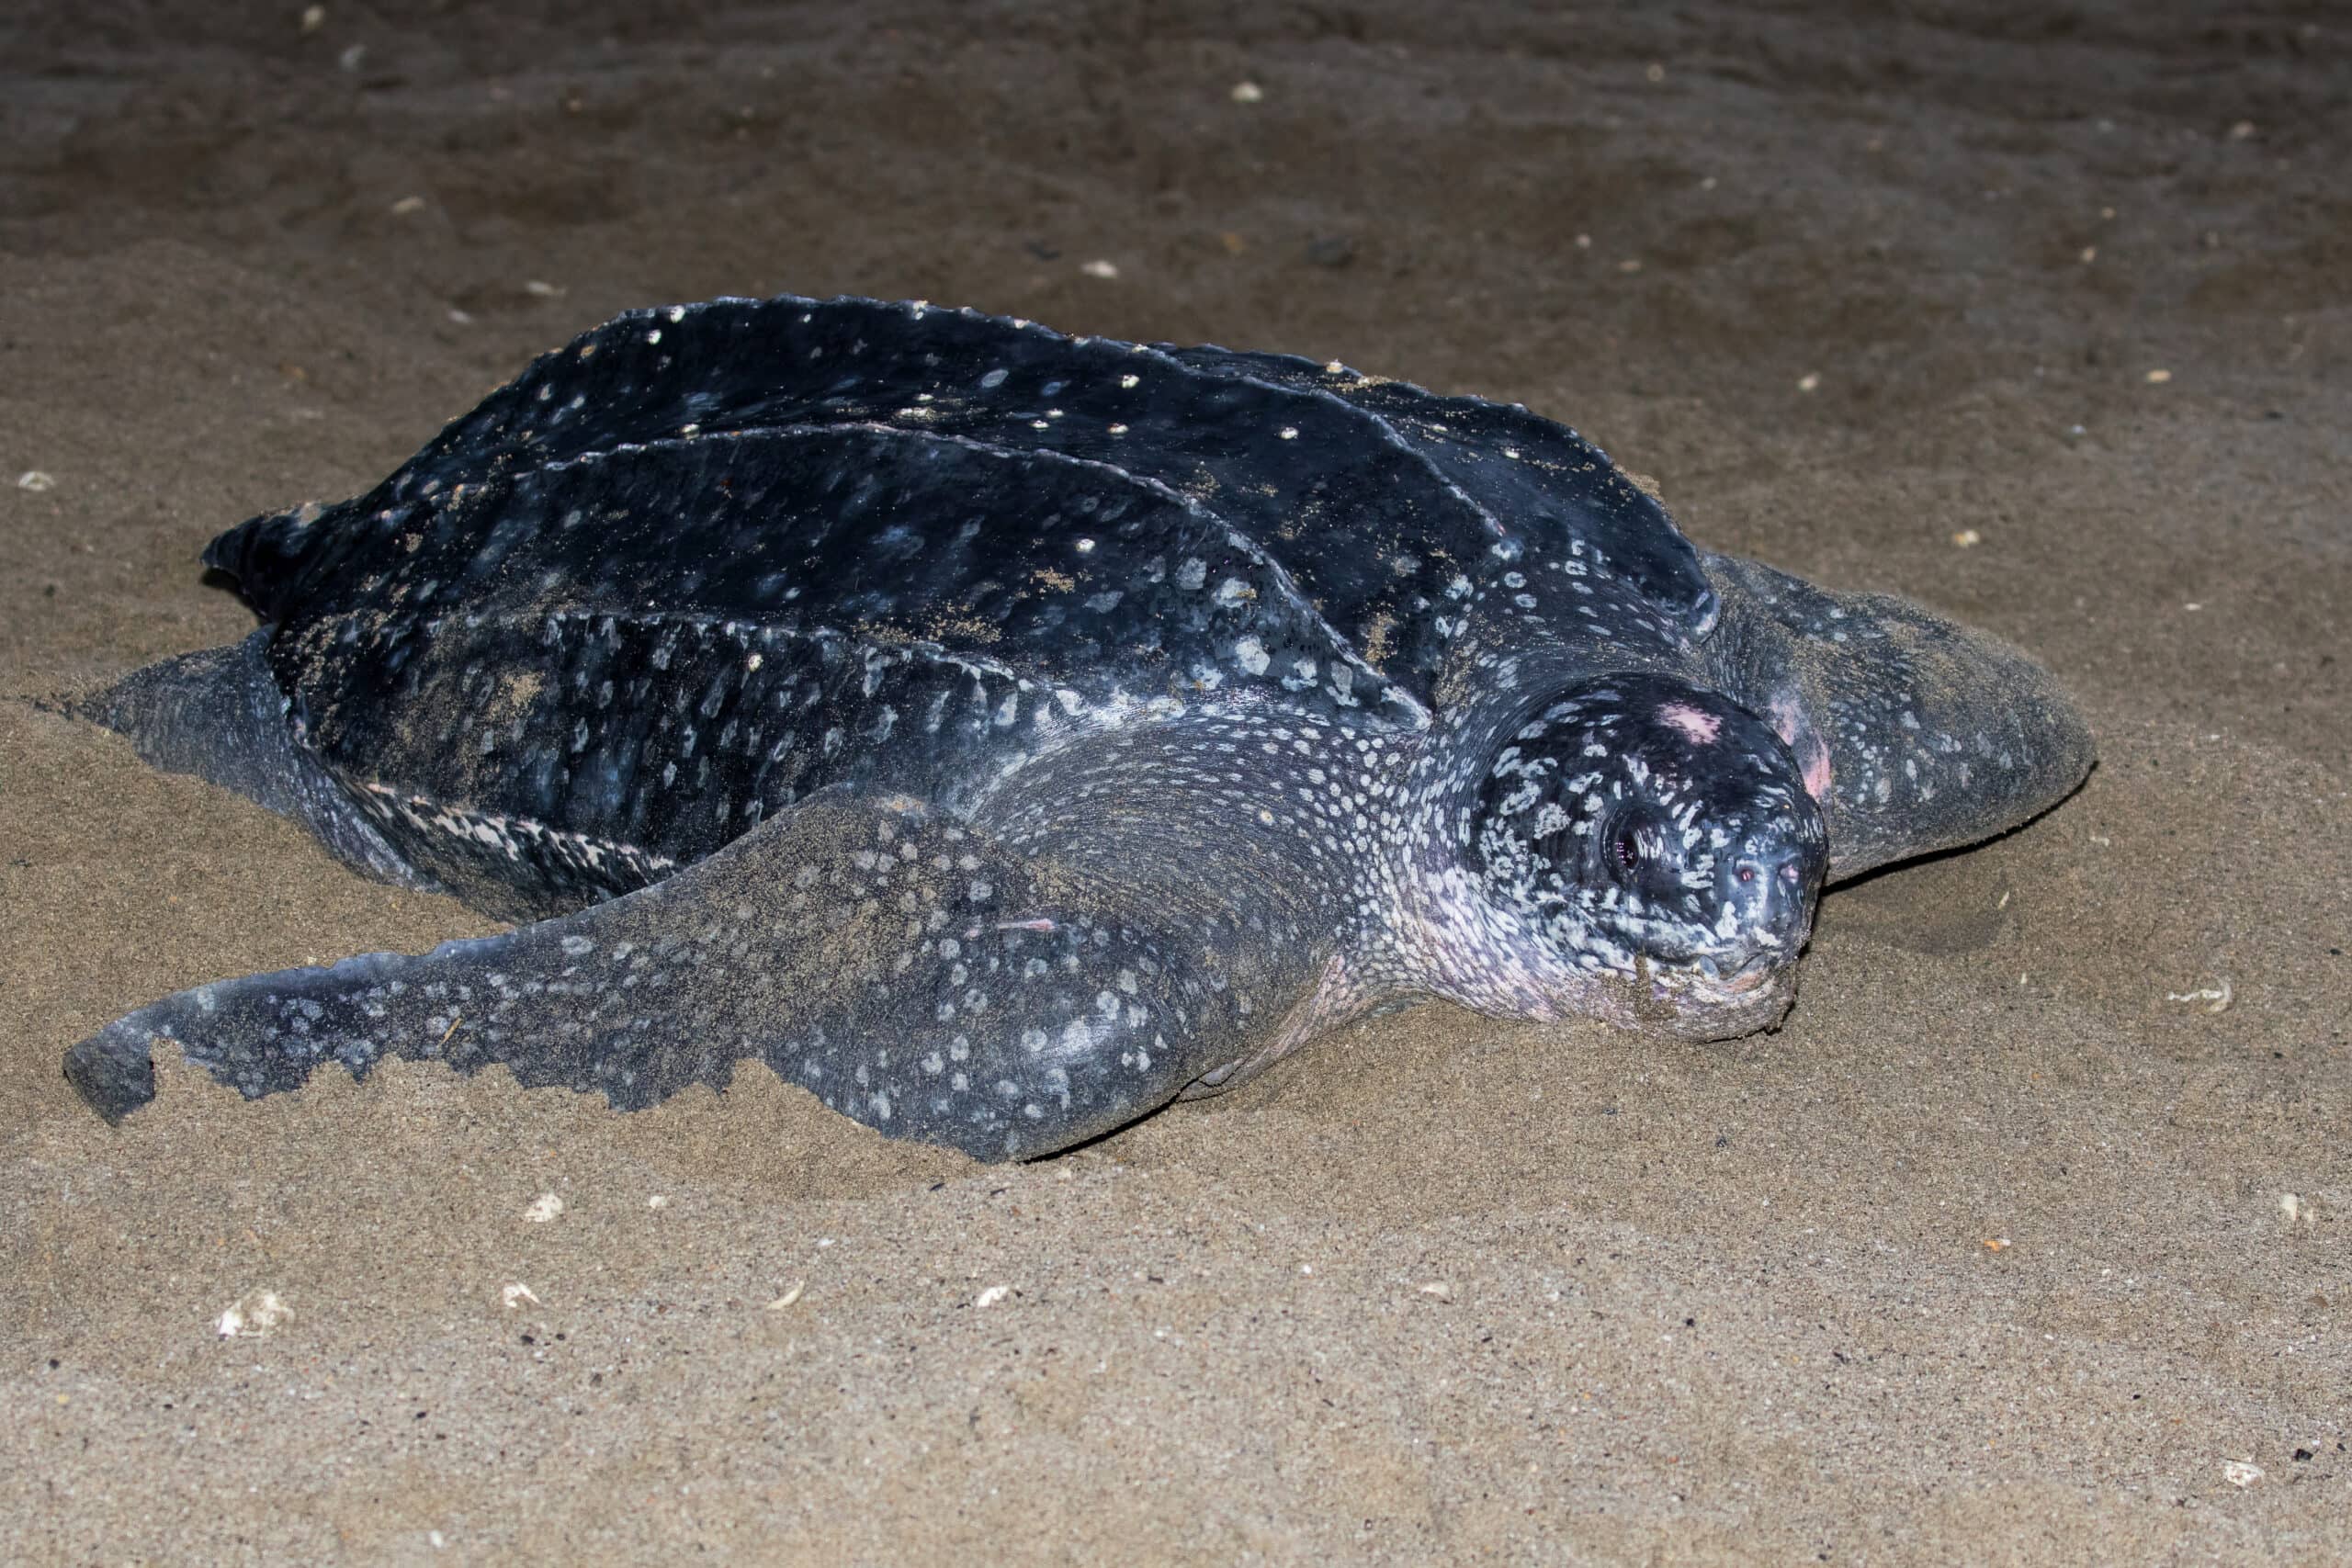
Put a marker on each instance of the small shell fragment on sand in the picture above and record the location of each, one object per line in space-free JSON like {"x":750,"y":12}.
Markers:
{"x":2158,"y":377}
{"x":407,"y":205}
{"x":659,"y":1201}
{"x":1968,"y":539}
{"x":2241,"y":1471}
{"x":1248,"y":93}
{"x":513,"y":1293}
{"x":253,"y":1314}
{"x":992,"y":1295}
{"x":2214,"y":996}
{"x":314,"y":19}
{"x":791,"y":1295}
{"x":1809,"y":382}
{"x":544,"y":1207}
{"x":1100,"y":268}
{"x":35,"y":480}
{"x":539,"y":288}
{"x":1439,"y":1288}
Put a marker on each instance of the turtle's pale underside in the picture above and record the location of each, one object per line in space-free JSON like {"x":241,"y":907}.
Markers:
{"x":1000,"y":733}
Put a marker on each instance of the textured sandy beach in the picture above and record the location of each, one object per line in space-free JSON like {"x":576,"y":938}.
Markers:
{"x":2017,"y":1244}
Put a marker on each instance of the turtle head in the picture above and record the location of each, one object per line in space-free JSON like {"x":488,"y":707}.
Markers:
{"x":1658,"y":844}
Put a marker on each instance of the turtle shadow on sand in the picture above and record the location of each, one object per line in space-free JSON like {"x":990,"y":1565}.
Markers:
{"x":1000,"y":734}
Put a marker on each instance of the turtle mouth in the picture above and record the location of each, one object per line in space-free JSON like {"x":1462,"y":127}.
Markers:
{"x":1742,"y":981}
{"x":1703,"y":998}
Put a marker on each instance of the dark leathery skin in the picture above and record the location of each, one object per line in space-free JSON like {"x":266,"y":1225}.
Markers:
{"x":861,"y":608}
{"x":1353,"y":486}
{"x":999,"y":733}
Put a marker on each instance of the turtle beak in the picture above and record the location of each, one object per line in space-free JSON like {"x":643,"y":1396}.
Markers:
{"x":1744,"y":979}
{"x":1766,"y":893}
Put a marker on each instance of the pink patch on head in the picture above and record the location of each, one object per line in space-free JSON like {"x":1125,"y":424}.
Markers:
{"x":1701,"y":728}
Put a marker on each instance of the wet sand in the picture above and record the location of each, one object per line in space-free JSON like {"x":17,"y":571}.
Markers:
{"x":2000,"y":1251}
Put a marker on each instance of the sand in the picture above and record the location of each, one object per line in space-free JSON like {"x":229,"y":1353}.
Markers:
{"x":2015,"y":1245}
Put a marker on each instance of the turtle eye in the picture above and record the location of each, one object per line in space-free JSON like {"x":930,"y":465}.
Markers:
{"x":1628,"y":851}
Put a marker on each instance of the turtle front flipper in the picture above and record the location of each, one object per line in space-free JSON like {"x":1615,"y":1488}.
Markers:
{"x":912,"y":973}
{"x":1916,"y":735}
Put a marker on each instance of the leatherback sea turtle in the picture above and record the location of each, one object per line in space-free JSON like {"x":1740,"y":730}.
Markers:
{"x":1000,"y":733}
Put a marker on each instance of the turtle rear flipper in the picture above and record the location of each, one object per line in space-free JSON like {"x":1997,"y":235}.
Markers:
{"x":911,"y":974}
{"x":217,"y":713}
{"x":1916,"y":735}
